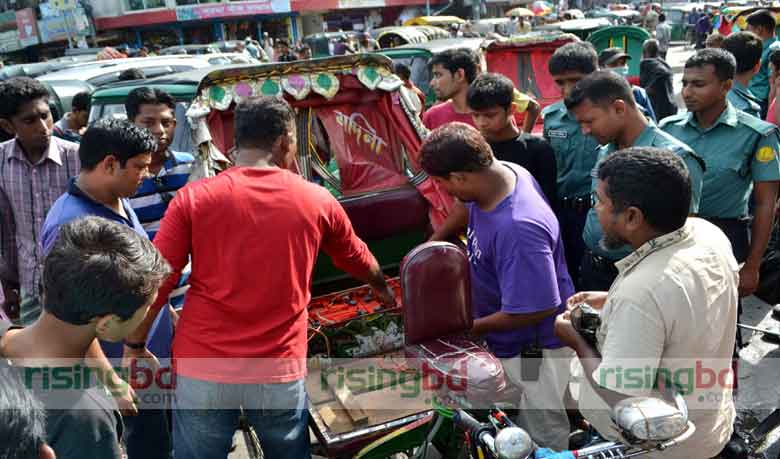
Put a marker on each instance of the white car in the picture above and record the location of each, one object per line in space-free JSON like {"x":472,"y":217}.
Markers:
{"x":100,"y":73}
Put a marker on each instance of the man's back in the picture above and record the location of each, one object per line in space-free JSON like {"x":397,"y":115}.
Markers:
{"x":254,"y":235}
{"x":674,"y":307}
{"x":663,"y":33}
{"x":536,"y":155}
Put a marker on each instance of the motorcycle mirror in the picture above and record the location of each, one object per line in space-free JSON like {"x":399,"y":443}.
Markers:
{"x":650,"y":419}
{"x":513,"y":443}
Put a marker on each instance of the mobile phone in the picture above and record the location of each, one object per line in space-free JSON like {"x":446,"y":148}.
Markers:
{"x":530,"y":362}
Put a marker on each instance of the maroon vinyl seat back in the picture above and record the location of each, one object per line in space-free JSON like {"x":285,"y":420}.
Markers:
{"x":436,"y":290}
{"x":384,"y":214}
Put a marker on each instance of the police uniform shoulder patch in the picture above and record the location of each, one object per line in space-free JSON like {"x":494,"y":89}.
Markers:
{"x":553,"y":108}
{"x":758,"y":125}
{"x":765,"y":154}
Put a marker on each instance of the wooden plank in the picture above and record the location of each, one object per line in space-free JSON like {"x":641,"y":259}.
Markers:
{"x":327,"y":415}
{"x":348,"y":401}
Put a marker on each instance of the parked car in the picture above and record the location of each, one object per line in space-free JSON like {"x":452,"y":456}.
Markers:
{"x":190,"y":49}
{"x":101,"y":73}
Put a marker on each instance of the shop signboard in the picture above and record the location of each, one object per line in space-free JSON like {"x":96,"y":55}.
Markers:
{"x":9,"y":41}
{"x":26,"y":27}
{"x":56,"y":28}
{"x":361,"y":4}
{"x":227,"y":10}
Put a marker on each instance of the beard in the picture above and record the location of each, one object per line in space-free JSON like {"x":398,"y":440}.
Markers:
{"x":611,"y":242}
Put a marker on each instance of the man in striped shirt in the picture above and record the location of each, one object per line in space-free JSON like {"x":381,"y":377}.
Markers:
{"x":34,"y":171}
{"x":155,"y":110}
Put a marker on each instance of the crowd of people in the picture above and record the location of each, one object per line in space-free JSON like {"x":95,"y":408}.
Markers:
{"x":657,"y":219}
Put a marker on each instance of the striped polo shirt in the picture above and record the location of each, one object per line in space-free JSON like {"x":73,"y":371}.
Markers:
{"x":151,"y":201}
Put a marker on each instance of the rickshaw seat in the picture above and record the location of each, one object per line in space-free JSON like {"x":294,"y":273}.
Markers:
{"x":382,"y":215}
{"x":436,"y":292}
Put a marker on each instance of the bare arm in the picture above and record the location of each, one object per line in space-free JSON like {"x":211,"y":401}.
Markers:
{"x":765,"y":194}
{"x":502,"y":321}
{"x":531,"y":115}
{"x":456,"y":221}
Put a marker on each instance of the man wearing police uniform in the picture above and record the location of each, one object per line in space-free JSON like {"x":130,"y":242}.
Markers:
{"x":604,"y":106}
{"x":747,"y":49}
{"x":740,"y":153}
{"x":575,"y":153}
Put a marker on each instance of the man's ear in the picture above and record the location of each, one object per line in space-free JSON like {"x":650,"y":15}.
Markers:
{"x":45,"y":452}
{"x":620,"y":106}
{"x":512,"y":109}
{"x":7,"y":126}
{"x":635,"y":218}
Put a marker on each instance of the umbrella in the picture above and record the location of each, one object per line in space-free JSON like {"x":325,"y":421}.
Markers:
{"x":519,"y":12}
{"x":541,"y":8}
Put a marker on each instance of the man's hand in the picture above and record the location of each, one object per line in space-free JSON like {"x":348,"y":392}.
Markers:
{"x":566,"y":332}
{"x":596,"y":300}
{"x":748,"y":280}
{"x":385,"y":295}
{"x":12,"y":299}
{"x":139,"y":358}
{"x":124,"y":396}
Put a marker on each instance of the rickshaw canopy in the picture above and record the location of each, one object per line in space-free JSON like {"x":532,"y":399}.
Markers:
{"x":438,"y":21}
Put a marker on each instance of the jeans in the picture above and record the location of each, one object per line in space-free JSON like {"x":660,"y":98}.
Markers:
{"x":206,"y":415}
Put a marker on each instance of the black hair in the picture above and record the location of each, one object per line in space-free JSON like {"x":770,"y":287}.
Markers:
{"x":724,"y":63}
{"x":260,"y":121}
{"x":131,"y":74}
{"x":97,"y":267}
{"x":81,"y":101}
{"x":650,"y":47}
{"x":460,"y":58}
{"x":601,"y":87}
{"x":654,"y":180}
{"x":22,"y":418}
{"x":490,"y":90}
{"x":455,"y":147}
{"x":146,"y":96}
{"x":774,"y":58}
{"x":18,"y":91}
{"x":762,"y":19}
{"x":119,"y":138}
{"x":574,"y":57}
{"x":746,"y":47}
{"x":402,"y":70}
{"x":661,"y":17}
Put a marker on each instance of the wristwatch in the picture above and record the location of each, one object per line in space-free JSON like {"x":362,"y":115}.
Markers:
{"x":141,"y":345}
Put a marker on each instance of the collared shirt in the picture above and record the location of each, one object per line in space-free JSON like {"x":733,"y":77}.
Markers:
{"x":738,"y":149}
{"x":742,"y":99}
{"x":652,"y":136}
{"x":759,"y":84}
{"x":575,"y":153}
{"x":27,"y":191}
{"x":672,"y":307}
{"x":152,"y":198}
{"x":151,"y":201}
{"x":74,"y":204}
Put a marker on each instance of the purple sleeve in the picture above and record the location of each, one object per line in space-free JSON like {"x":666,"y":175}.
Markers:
{"x":526,"y":270}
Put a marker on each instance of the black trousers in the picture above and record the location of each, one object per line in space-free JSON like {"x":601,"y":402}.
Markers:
{"x":572,"y":223}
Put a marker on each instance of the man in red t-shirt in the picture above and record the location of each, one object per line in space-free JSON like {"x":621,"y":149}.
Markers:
{"x":453,"y":71}
{"x":254,"y":233}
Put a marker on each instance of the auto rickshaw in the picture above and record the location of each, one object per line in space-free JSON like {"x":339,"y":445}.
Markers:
{"x":392,"y":37}
{"x":320,"y":43}
{"x":677,"y":17}
{"x":437,"y":21}
{"x":523,"y":59}
{"x":629,"y":38}
{"x":418,"y":56}
{"x":582,"y":28}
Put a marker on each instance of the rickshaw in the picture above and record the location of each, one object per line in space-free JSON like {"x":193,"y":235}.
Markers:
{"x":582,"y":28}
{"x":735,"y":17}
{"x":347,"y":108}
{"x":392,"y":37}
{"x":358,"y":137}
{"x":436,"y":21}
{"x":417,"y":57}
{"x":629,"y":38}
{"x":617,"y":17}
{"x":523,"y":59}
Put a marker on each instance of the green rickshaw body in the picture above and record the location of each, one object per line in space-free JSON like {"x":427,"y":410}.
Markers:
{"x":630,"y":38}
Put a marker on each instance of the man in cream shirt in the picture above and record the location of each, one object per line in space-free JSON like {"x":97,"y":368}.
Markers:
{"x":671,"y":313}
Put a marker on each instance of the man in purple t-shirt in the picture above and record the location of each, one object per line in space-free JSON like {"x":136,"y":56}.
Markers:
{"x":519,"y":278}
